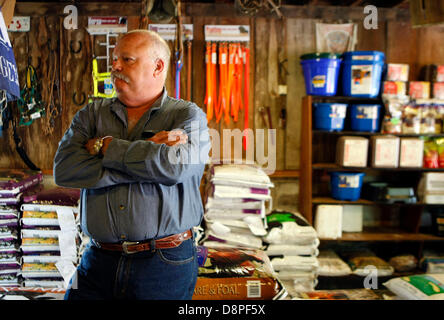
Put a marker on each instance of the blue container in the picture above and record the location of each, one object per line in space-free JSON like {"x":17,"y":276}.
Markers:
{"x":329,"y":116}
{"x":321,"y":76}
{"x":346,"y":185}
{"x":361,"y":73}
{"x":365,"y":117}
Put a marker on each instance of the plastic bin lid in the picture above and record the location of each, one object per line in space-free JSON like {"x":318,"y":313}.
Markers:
{"x":320,"y":55}
{"x":377,"y":55}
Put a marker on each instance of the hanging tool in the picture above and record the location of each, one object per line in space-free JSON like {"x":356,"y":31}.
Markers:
{"x":51,"y":110}
{"x":30,"y":104}
{"x":3,"y":107}
{"x":105,"y":77}
{"x":19,"y":148}
{"x":178,"y":50}
{"x":189,"y":72}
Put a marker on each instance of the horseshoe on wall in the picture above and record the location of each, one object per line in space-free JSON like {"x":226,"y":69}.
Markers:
{"x":71,"y":45}
{"x":79,"y":103}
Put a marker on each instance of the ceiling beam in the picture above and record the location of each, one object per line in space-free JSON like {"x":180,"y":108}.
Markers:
{"x":356,"y":3}
{"x":84,"y":8}
{"x":208,"y":10}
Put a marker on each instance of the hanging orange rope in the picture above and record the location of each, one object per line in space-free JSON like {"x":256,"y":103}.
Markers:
{"x":223,"y":69}
{"x":208,"y":92}
{"x":230,"y":81}
{"x":214,"y":73}
{"x":246,"y":56}
{"x":236,"y":94}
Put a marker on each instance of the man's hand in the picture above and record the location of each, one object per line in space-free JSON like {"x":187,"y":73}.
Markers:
{"x":91,"y":142}
{"x":170,"y":138}
{"x":90,"y":146}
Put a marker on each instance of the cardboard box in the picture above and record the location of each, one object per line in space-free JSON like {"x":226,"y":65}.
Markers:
{"x":395,"y":88}
{"x":440,"y":73}
{"x":352,"y":151}
{"x":411,"y":152}
{"x":385,"y":151}
{"x":419,"y":89}
{"x":433,"y":182}
{"x":352,"y":218}
{"x":397,"y":72}
{"x":328,"y":221}
{"x":438,"y":90}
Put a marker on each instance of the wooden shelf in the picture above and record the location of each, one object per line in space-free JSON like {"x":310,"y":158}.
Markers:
{"x":285,"y":174}
{"x":335,"y":167}
{"x":387,"y":234}
{"x":328,"y":200}
{"x":362,"y":133}
{"x":342,"y":99}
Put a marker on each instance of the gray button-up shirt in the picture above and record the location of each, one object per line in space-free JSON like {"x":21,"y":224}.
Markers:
{"x":139,"y":190}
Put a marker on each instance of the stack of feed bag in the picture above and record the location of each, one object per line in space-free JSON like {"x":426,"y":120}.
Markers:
{"x":235,"y":206}
{"x":14,"y":184}
{"x":50,"y":233}
{"x":9,"y":252}
{"x":227,"y":273}
{"x":292,"y":245}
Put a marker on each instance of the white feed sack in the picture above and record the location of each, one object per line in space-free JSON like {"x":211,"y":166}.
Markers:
{"x":328,"y":221}
{"x":331,"y":265}
{"x":418,"y":287}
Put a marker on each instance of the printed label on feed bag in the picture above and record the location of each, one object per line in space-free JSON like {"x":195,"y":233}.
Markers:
{"x":253,"y":289}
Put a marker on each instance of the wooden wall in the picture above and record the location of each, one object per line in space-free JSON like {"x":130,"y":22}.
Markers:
{"x":275,"y":45}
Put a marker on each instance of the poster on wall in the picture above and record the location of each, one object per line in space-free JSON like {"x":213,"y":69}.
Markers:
{"x":336,"y":38}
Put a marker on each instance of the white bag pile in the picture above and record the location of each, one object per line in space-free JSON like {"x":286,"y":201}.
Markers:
{"x":235,"y":206}
{"x":293,"y":249}
{"x":14,"y":184}
{"x":9,"y":252}
{"x":50,"y":232}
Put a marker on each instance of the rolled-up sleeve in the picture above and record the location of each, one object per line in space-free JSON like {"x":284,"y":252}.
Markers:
{"x":73,"y":166}
{"x":159,"y":163}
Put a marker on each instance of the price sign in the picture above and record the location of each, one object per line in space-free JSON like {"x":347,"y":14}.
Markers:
{"x":20,"y":24}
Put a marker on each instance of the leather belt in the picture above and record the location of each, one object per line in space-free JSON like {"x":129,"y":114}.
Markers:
{"x":137,"y":246}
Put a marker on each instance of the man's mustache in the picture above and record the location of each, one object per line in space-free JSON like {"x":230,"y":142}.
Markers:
{"x":115,"y":74}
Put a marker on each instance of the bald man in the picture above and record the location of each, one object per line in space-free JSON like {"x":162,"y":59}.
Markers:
{"x":134,"y":159}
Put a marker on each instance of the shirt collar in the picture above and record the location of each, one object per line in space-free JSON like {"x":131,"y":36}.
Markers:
{"x":118,"y":107}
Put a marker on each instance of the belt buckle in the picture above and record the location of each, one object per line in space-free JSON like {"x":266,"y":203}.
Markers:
{"x":125,"y":245}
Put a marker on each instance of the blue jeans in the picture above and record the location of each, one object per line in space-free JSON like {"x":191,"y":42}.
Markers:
{"x":164,"y":274}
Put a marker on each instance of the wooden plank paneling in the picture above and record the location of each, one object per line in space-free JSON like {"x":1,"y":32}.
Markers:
{"x":372,"y":39}
{"x":430,"y":49}
{"x":261,"y":90}
{"x":402,"y":46}
{"x":272,"y":41}
{"x":300,"y":40}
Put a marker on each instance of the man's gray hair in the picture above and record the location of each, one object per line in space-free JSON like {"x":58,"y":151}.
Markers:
{"x":158,"y":47}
